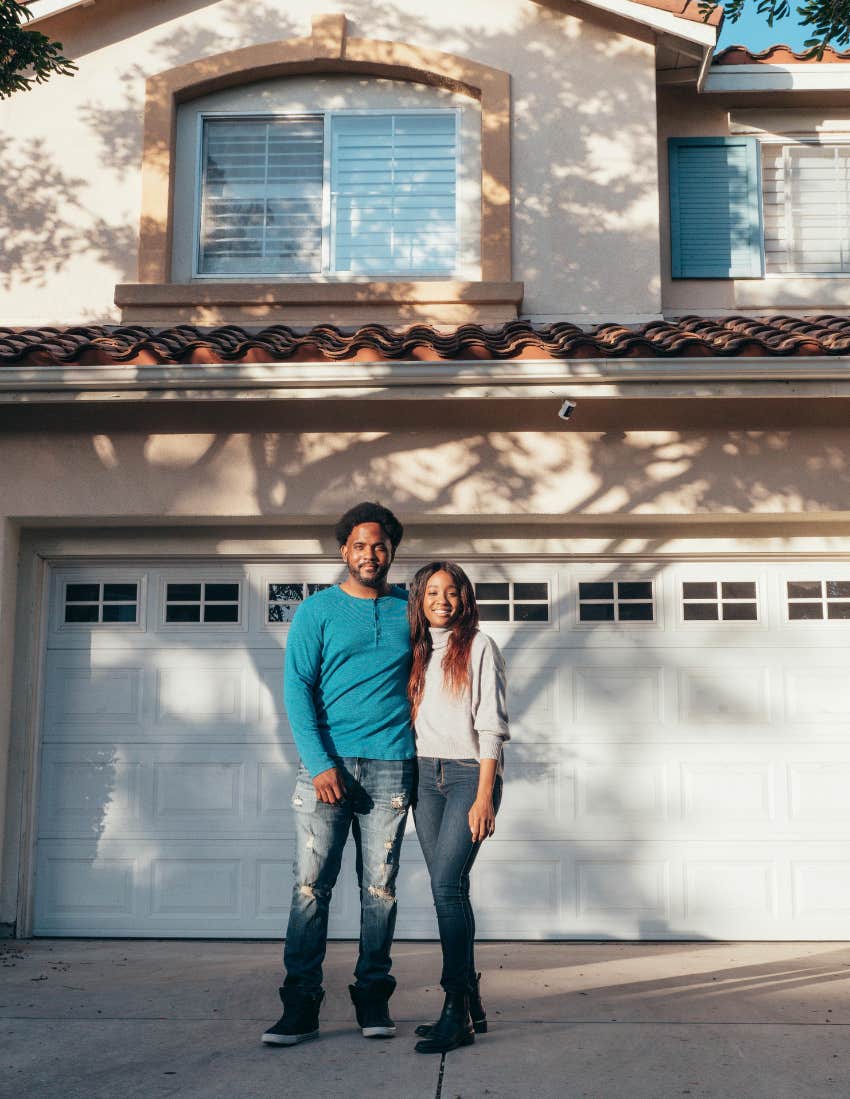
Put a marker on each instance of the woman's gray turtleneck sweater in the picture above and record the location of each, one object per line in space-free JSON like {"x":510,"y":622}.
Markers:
{"x":473,"y":725}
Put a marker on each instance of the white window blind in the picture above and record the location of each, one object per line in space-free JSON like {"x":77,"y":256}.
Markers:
{"x":393,"y":193}
{"x":262,"y":196}
{"x":356,"y":193}
{"x":806,"y":209}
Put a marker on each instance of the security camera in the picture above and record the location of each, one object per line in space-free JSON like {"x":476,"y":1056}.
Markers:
{"x":566,"y":410}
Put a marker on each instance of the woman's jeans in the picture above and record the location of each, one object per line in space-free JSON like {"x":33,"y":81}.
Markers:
{"x":378,"y":795}
{"x":446,"y":790}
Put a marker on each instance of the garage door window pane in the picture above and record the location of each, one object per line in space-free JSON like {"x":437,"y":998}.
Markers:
{"x":82,"y":593}
{"x":184,"y":593}
{"x":494,"y":612}
{"x":221,"y":593}
{"x":635,"y":612}
{"x":804,"y":589}
{"x":798,"y":612}
{"x":491,"y":591}
{"x":221,"y":612}
{"x":838,"y":610}
{"x":183,"y":613}
{"x":531,"y":591}
{"x":596,"y":591}
{"x":84,"y":612}
{"x":699,"y":589}
{"x":740,"y":612}
{"x":119,"y":593}
{"x":701,"y":612}
{"x":119,"y":612}
{"x":531,"y":612}
{"x":597,"y":612}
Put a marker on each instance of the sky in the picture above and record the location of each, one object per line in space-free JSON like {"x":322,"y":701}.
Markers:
{"x":752,"y":31}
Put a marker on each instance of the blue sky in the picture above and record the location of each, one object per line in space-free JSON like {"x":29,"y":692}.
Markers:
{"x":752,"y":31}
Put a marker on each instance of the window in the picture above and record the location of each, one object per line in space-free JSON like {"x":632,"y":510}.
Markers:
{"x":818,"y":599}
{"x":348,"y":193}
{"x":616,"y":601}
{"x":101,"y":603}
{"x":513,"y":601}
{"x":284,"y":599}
{"x":205,"y":601}
{"x":806,"y":209}
{"x":719,"y":601}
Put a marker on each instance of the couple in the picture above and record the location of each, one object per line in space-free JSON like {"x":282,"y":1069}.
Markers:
{"x":363,"y":661}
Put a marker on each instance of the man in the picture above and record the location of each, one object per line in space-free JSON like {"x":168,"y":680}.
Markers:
{"x":345,"y":690}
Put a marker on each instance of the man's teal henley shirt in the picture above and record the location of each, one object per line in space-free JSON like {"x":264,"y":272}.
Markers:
{"x":345,"y":678}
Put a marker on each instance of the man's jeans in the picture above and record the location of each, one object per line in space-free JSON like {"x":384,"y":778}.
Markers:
{"x":378,"y":793}
{"x":446,"y":791}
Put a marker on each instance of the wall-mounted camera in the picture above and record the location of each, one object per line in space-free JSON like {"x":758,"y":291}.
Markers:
{"x":567,"y":409}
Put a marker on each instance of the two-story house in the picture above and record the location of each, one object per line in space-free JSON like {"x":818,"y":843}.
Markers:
{"x":263,"y":261}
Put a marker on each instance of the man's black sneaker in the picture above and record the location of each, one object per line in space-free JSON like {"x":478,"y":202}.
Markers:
{"x":372,"y":1010}
{"x":300,"y":1019}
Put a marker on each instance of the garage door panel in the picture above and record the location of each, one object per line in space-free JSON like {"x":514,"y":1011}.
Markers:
{"x":86,"y":695}
{"x":177,"y":791}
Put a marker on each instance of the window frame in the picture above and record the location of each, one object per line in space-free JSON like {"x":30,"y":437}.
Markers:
{"x":786,"y":141}
{"x":326,"y":274}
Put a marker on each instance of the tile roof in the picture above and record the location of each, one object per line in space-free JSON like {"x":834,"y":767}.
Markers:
{"x":778,"y":55}
{"x":687,"y":9}
{"x":691,"y":336}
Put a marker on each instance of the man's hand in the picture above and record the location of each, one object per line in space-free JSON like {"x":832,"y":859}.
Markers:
{"x":329,"y":785}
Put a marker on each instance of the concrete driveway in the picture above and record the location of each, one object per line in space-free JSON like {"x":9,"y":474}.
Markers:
{"x":82,"y":1019}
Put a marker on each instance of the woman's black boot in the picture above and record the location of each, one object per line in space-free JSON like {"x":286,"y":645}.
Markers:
{"x":476,"y":1012}
{"x":453,"y":1029}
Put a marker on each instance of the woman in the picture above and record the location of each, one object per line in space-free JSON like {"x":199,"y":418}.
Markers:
{"x":457,"y":699}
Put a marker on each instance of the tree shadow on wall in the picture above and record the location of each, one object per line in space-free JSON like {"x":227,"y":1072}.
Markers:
{"x":44,"y":221}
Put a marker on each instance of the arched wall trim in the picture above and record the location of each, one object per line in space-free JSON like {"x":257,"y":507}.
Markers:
{"x":327,"y":50}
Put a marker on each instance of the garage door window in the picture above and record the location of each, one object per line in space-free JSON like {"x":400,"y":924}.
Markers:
{"x":284,"y":599}
{"x":719,"y":601}
{"x":818,"y":599}
{"x":101,"y":603}
{"x":513,"y":601}
{"x":616,"y":601}
{"x":202,"y":602}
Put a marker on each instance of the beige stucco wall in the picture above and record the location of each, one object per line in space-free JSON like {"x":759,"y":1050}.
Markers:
{"x":683,"y":113}
{"x":585,"y":214}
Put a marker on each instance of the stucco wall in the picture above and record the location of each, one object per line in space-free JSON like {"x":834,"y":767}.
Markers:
{"x":585,"y":213}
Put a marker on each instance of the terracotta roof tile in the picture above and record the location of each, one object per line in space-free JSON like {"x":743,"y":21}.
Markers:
{"x":779,"y":55}
{"x":691,"y":336}
{"x":686,"y":9}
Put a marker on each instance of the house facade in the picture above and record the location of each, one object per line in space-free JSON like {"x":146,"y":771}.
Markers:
{"x":263,"y":263}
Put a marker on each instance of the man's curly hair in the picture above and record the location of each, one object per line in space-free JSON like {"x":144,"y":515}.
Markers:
{"x":367,"y":512}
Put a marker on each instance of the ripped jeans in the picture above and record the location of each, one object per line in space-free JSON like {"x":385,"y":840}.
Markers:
{"x":378,"y":793}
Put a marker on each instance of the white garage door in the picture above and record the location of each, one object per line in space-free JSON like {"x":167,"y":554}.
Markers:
{"x":680,"y":765}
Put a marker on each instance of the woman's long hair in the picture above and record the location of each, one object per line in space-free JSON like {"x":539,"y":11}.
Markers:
{"x":456,"y":674}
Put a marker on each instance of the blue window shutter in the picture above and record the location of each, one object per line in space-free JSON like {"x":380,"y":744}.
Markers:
{"x":715,"y":208}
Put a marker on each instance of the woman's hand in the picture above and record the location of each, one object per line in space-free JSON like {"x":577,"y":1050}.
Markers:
{"x":482,"y":818}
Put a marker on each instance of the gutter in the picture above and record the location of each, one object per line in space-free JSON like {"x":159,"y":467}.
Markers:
{"x":692,"y":379}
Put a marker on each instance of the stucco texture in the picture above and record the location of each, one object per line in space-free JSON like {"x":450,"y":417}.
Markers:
{"x":585,"y":198}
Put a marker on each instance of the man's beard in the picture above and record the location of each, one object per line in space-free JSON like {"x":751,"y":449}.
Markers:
{"x":374,"y":581}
